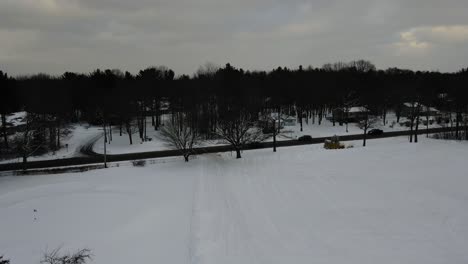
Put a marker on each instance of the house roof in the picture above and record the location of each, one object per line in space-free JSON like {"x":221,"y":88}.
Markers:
{"x":358,"y":109}
{"x":408,"y":104}
{"x":425,"y":108}
{"x":283,"y":116}
{"x":432,"y":109}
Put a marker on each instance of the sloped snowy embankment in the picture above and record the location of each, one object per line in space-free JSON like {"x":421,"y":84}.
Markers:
{"x":392,"y":202}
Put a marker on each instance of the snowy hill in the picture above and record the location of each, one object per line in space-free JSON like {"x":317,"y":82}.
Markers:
{"x":392,"y":202}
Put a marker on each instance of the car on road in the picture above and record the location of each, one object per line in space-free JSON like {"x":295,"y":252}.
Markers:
{"x":306,"y":138}
{"x":375,"y":132}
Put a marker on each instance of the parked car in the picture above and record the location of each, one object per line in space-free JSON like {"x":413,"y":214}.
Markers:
{"x":375,"y":132}
{"x":305,"y":138}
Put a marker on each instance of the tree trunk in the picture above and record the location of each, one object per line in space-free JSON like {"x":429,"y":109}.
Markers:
{"x":140,"y":127}
{"x":411,"y":131}
{"x":333,"y":118}
{"x":51,"y":138}
{"x":238,"y":153}
{"x":416,"y":129}
{"x":144,"y":125}
{"x":105,"y":141}
{"x":427,"y":124}
{"x":110,"y":133}
{"x":25,"y":161}
{"x":412,"y":124}
{"x":158,"y":119}
{"x":384,"y":116}
{"x":340,"y":121}
{"x":300,"y":122}
{"x":347,"y":121}
{"x":4,"y":130}
{"x":58,"y":137}
{"x":466,"y":131}
{"x":129,"y":132}
{"x":274,"y":136}
{"x":364,"y":138}
{"x":320,"y":116}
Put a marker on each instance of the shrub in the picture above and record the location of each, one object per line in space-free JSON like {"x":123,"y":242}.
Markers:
{"x":54,"y":257}
{"x":333,"y":143}
{"x":450,"y":136}
{"x":139,"y":163}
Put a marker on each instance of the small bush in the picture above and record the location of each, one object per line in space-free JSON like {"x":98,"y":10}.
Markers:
{"x":333,"y":143}
{"x":450,"y":136}
{"x":54,"y":257}
{"x":4,"y":261}
{"x":139,"y":163}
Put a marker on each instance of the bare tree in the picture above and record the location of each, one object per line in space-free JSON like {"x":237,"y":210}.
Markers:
{"x":367,"y":123}
{"x":348,"y":102}
{"x":129,"y":129}
{"x":79,"y":257}
{"x":415,"y":111}
{"x":208,"y":68}
{"x":362,"y":65}
{"x":273,"y":130}
{"x":4,"y":130}
{"x":239,"y":130}
{"x":180,"y":134}
{"x":26,"y":141}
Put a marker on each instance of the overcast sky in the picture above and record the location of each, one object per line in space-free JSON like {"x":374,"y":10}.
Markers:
{"x":54,"y":36}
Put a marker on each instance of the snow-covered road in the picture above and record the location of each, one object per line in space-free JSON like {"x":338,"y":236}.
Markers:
{"x":392,"y":202}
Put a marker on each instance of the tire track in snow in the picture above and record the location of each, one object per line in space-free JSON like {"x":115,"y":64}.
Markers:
{"x":220,"y":231}
{"x":194,"y":222}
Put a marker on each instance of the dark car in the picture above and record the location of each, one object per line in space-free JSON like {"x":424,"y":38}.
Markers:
{"x":305,"y":138}
{"x":375,"y":132}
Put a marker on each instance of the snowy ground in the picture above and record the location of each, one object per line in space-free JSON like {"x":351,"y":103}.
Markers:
{"x":391,"y":202}
{"x":16,"y":119}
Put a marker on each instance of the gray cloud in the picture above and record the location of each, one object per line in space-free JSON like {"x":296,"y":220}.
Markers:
{"x":80,"y":35}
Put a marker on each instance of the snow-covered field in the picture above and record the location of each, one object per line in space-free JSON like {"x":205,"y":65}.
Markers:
{"x":391,"y":202}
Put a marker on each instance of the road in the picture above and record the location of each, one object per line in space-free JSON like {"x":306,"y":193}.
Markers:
{"x":92,"y":157}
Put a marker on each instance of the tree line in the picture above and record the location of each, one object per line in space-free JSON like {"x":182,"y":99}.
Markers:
{"x":216,"y":101}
